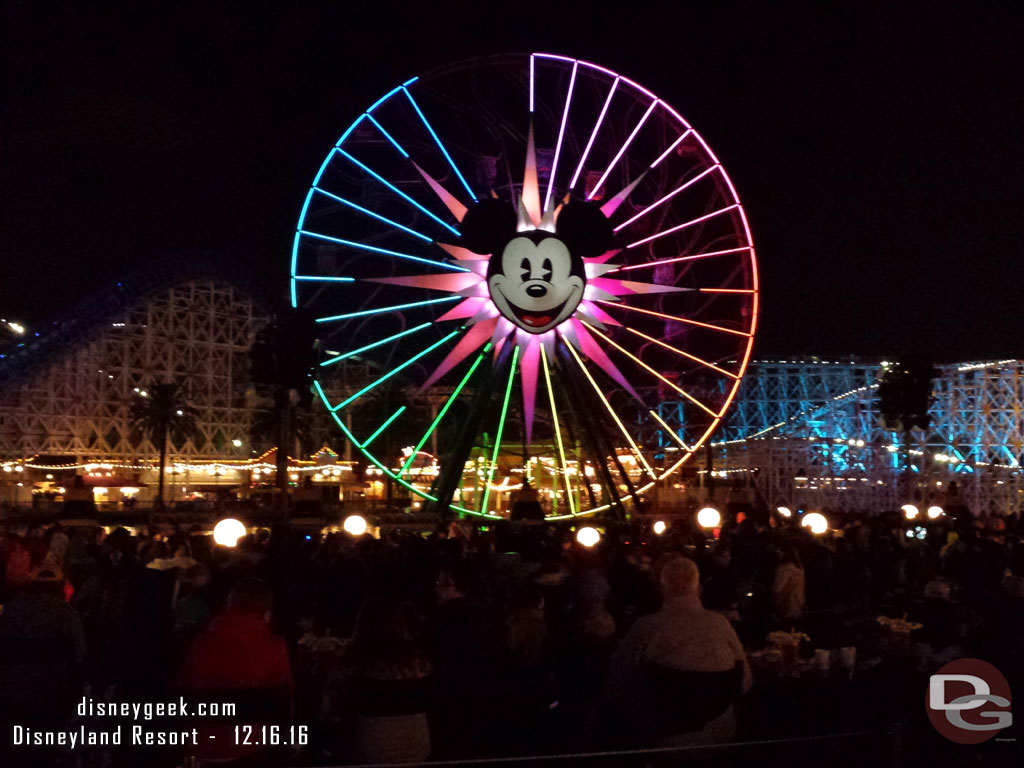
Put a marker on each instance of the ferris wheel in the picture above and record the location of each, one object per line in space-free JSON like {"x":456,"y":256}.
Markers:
{"x":536,"y":267}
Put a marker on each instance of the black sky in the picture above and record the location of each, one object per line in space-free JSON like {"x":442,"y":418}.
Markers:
{"x":878,"y":147}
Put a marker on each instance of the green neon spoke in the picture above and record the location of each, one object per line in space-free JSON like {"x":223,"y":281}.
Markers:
{"x":338,"y":358}
{"x":393,"y":371}
{"x":558,"y":431}
{"x":382,"y":427}
{"x":501,"y":427}
{"x":444,"y":410}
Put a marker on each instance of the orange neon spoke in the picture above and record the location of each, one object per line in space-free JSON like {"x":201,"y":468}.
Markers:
{"x":673,"y":317}
{"x":678,"y":351}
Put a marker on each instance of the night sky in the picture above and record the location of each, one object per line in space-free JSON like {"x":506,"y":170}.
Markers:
{"x":877,"y":147}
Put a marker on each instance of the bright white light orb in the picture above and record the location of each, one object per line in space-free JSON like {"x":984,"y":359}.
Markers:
{"x":588,"y":536}
{"x":228,"y":531}
{"x":935,"y":512}
{"x":659,"y":527}
{"x":910,"y":511}
{"x":355,"y":525}
{"x":816,"y":521}
{"x":784,"y":511}
{"x":709,"y":517}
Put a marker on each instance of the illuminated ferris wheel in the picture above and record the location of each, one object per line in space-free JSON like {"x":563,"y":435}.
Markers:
{"x":536,"y":265}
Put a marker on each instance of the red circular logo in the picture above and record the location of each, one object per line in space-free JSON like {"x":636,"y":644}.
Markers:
{"x":968,"y":701}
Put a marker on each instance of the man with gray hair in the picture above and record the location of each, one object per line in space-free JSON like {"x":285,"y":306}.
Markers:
{"x":684,"y":662}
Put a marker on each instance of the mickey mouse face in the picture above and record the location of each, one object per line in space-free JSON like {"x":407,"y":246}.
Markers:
{"x":536,"y":278}
{"x":537,"y":286}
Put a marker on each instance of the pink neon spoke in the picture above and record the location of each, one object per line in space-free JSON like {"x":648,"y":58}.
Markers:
{"x":593,"y":134}
{"x":528,"y":371}
{"x":622,"y":150}
{"x":595,"y":353}
{"x":692,"y":257}
{"x":531,"y":188}
{"x":628,"y":287}
{"x":532,"y":69}
{"x":471,"y":341}
{"x":727,"y":290}
{"x":458,"y":210}
{"x":671,"y":194}
{"x":675,"y":318}
{"x":678,"y":227}
{"x":561,"y":133}
{"x":678,"y":351}
{"x":673,"y":145}
{"x":644,"y":365}
{"x":597,"y":314}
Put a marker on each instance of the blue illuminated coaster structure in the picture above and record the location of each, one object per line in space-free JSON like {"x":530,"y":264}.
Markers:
{"x":537,"y":266}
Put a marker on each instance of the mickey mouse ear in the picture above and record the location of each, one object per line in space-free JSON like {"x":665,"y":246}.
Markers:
{"x":585,"y":231}
{"x":487,"y":225}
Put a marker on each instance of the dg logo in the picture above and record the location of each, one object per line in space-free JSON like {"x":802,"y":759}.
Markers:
{"x":968,"y":701}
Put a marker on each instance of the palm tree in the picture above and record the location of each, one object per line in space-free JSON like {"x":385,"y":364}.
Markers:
{"x":162,"y":414}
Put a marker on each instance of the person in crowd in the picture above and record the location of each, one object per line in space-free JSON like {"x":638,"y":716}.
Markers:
{"x":788,"y":587}
{"x":678,"y":672}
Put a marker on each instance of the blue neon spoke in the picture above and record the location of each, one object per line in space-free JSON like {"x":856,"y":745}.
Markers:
{"x":385,"y":251}
{"x":388,"y":136}
{"x":398,"y":192}
{"x":395,"y":370}
{"x":437,"y":140}
{"x":392,"y":308}
{"x":382,"y":427}
{"x":324,"y":279}
{"x":375,"y":215}
{"x":375,"y":344}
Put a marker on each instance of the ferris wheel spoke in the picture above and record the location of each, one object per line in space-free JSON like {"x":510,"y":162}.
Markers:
{"x":622,"y":150}
{"x":381,"y":428}
{"x":392,"y":372}
{"x":672,"y":146}
{"x":674,"y":318}
{"x":397,"y":191}
{"x":691,"y":257}
{"x":680,"y":352}
{"x":354,"y":352}
{"x":649,"y":369}
{"x":322,"y":279}
{"x":380,"y":310}
{"x":558,"y":431}
{"x":373,"y":214}
{"x":437,"y":140}
{"x":608,"y":407}
{"x":388,"y":136}
{"x":593,"y":134}
{"x":684,"y":225}
{"x":501,"y":428}
{"x":671,"y":431}
{"x":561,"y":135}
{"x":669,"y":196}
{"x":448,"y":404}
{"x":383,"y":251}
{"x":727,"y":290}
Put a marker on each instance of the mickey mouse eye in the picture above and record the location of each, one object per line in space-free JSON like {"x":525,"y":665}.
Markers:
{"x":525,"y":266}
{"x":546,"y":270}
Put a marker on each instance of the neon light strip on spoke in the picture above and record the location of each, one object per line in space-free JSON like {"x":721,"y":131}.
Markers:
{"x":561,"y":134}
{"x":671,"y":194}
{"x":662,"y":315}
{"x":324,"y":279}
{"x":678,"y":227}
{"x":593,"y":134}
{"x":375,"y":344}
{"x":644,"y":365}
{"x":672,"y":146}
{"x":393,"y":371}
{"x":501,"y":427}
{"x":384,"y":98}
{"x":437,"y":141}
{"x":532,"y":68}
{"x":385,"y":251}
{"x":671,"y":431}
{"x":608,"y":405}
{"x":375,"y":215}
{"x":678,"y":351}
{"x":681,"y":258}
{"x":727,"y":290}
{"x":387,"y":136}
{"x":392,"y":308}
{"x":444,"y":410}
{"x":382,"y":427}
{"x":558,"y":431}
{"x":397,"y":191}
{"x":622,"y":150}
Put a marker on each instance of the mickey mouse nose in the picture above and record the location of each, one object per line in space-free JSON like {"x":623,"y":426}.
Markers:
{"x":536,"y":291}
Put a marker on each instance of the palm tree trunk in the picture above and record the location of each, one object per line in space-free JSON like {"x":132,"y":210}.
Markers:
{"x":163,"y":464}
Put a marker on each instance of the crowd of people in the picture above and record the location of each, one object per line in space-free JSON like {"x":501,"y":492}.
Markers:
{"x":482,"y":641}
